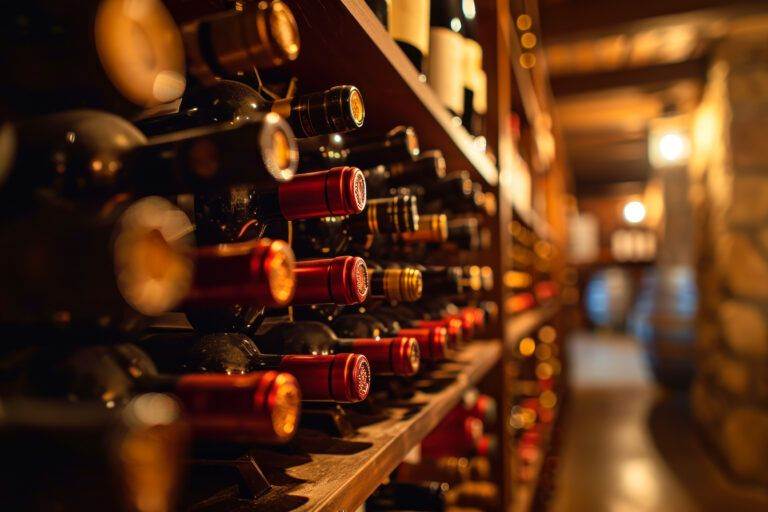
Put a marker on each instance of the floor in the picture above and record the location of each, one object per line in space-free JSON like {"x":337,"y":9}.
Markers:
{"x":630,"y":447}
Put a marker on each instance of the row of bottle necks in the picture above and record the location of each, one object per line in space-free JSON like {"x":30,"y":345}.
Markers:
{"x":122,"y":457}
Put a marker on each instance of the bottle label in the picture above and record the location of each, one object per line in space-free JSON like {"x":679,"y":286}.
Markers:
{"x":473,"y":62}
{"x":409,"y":23}
{"x":446,"y":55}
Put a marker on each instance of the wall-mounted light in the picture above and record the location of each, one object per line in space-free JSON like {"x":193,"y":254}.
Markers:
{"x":634,"y":212}
{"x":669,"y":141}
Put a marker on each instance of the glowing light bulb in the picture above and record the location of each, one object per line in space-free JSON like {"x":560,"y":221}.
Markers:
{"x":672,"y":147}
{"x":634,"y":212}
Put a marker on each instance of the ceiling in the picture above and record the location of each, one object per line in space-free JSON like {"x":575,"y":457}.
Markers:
{"x":615,"y":66}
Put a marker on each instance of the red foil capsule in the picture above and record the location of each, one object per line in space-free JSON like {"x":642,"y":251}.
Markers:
{"x":341,"y":280}
{"x":433,"y":341}
{"x":453,"y":327}
{"x":342,"y":378}
{"x":255,"y":272}
{"x":258,"y":407}
{"x":337,"y":191}
{"x":394,"y":356}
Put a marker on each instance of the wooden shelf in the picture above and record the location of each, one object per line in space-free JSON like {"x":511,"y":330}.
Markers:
{"x":343,"y":42}
{"x":319,"y":472}
{"x":524,"y":323}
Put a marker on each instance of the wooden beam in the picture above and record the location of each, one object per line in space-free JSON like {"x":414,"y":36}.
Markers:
{"x":559,"y":19}
{"x":566,"y":85}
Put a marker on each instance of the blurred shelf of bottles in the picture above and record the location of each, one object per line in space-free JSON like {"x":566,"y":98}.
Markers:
{"x":535,"y":375}
{"x":532,"y":280}
{"x":201,"y":256}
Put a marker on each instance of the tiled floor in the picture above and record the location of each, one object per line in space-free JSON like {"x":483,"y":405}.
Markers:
{"x":628,"y":446}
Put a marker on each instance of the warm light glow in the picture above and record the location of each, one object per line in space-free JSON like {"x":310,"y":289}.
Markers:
{"x":634,"y":212}
{"x":672,"y":147}
{"x":524,"y":22}
{"x":527,"y":347}
{"x":456,"y":24}
{"x":528,"y":40}
{"x":527,"y":60}
{"x":468,"y":7}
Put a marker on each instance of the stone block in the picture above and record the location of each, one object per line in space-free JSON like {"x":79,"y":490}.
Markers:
{"x":744,"y":268}
{"x":744,"y":329}
{"x":744,"y":440}
{"x":749,"y":204}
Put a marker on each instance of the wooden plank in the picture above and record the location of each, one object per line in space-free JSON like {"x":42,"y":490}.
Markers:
{"x":343,"y":42}
{"x":318,"y":472}
{"x":559,"y":19}
{"x":565,"y":85}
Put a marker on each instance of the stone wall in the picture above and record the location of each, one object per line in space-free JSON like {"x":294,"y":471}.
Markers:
{"x":729,"y":192}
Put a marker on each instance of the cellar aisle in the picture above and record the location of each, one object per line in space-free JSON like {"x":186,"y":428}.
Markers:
{"x":628,"y":446}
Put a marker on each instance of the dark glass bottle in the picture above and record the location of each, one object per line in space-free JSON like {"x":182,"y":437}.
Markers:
{"x":95,"y":458}
{"x":339,"y":109}
{"x":356,"y":233}
{"x":251,"y":407}
{"x":87,"y":153}
{"x":224,"y":39}
{"x":387,"y":356}
{"x":100,"y":55}
{"x":104,"y":270}
{"x":451,"y":193}
{"x":424,"y":496}
{"x":453,"y":470}
{"x":446,"y":52}
{"x":363,"y":151}
{"x":429,"y":167}
{"x":341,"y":378}
{"x":238,"y":213}
{"x":380,"y":9}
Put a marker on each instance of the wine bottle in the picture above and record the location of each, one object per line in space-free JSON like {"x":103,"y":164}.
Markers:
{"x":465,"y":234}
{"x":356,"y":233}
{"x":336,"y":110}
{"x":343,"y":378}
{"x":432,"y":340}
{"x":472,"y":64}
{"x":396,"y":284}
{"x":423,"y":496}
{"x":236,"y":39}
{"x":258,"y":272}
{"x":387,"y":356}
{"x":427,"y":168}
{"x":433,"y":229}
{"x":95,"y":154}
{"x":102,"y":55}
{"x":106,"y":269}
{"x":342,"y":280}
{"x":364,"y":151}
{"x":446,"y":49}
{"x":252,"y":407}
{"x":409,"y":27}
{"x":95,"y":458}
{"x":452,"y":470}
{"x":236,"y":213}
{"x":416,"y":318}
{"x":380,"y":9}
{"x":451,"y":193}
